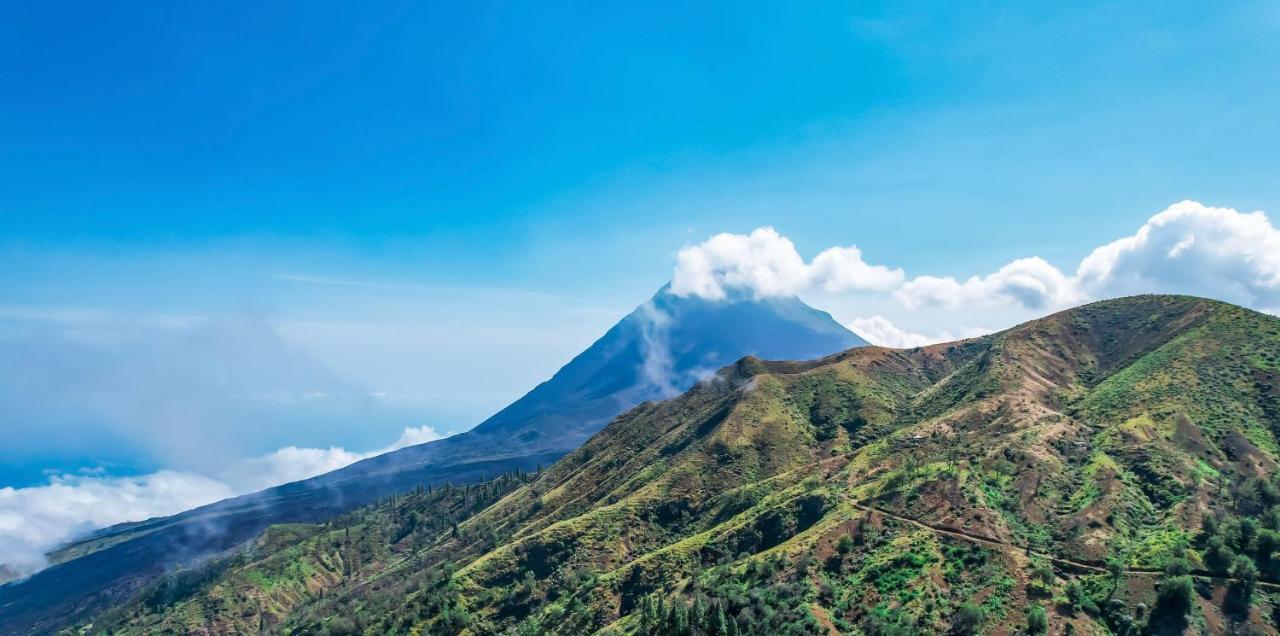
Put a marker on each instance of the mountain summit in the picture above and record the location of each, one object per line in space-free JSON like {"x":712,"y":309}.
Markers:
{"x":659,"y":350}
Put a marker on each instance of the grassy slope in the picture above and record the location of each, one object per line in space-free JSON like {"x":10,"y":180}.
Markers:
{"x":292,"y":565}
{"x":1103,"y":433}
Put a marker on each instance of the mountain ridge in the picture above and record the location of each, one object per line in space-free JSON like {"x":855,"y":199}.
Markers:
{"x":805,"y":497}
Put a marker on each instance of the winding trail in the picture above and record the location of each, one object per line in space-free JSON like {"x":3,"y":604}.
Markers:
{"x":1069,"y":564}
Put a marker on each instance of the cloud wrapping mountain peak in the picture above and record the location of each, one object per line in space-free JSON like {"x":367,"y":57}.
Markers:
{"x":765,"y":264}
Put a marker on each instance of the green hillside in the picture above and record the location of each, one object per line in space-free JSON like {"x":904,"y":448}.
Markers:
{"x":1107,"y":469}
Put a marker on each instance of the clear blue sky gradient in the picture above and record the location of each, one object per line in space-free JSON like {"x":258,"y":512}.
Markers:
{"x":535,"y":167}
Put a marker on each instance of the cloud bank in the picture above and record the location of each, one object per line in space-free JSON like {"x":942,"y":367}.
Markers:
{"x":35,"y":520}
{"x":1188,"y":248}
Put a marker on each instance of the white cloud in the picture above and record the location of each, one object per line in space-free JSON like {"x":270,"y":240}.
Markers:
{"x":839,"y":269}
{"x":878,"y":330}
{"x":1193,"y":249}
{"x":287,"y":464}
{"x":35,"y":520}
{"x":1030,"y":282}
{"x":1188,"y":248}
{"x":292,"y":463}
{"x":765,"y":263}
{"x":413,"y":436}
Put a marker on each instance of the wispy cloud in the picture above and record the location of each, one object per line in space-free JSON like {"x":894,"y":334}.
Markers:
{"x":180,"y":395}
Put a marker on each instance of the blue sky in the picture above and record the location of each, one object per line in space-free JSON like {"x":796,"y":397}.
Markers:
{"x":346,"y":221}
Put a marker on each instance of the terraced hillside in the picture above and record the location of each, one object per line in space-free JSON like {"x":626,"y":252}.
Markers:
{"x":1108,"y":469}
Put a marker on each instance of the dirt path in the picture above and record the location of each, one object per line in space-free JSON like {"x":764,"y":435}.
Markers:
{"x":1057,"y":560}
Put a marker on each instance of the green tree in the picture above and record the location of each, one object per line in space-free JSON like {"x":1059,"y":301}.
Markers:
{"x":1174,"y":597}
{"x":1115,"y":567}
{"x":1244,"y":579}
{"x":1177,"y":566}
{"x":699,"y":616}
{"x":1208,"y":524}
{"x":1037,"y":620}
{"x":1265,"y":545}
{"x":677,"y":620}
{"x":967,"y":620}
{"x":720,"y":625}
{"x":802,"y":565}
{"x":1248,"y":532}
{"x":845,"y":545}
{"x":1271,"y":518}
{"x":1075,"y":595}
{"x":1042,"y":579}
{"x":1217,"y":555}
{"x":649,"y":614}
